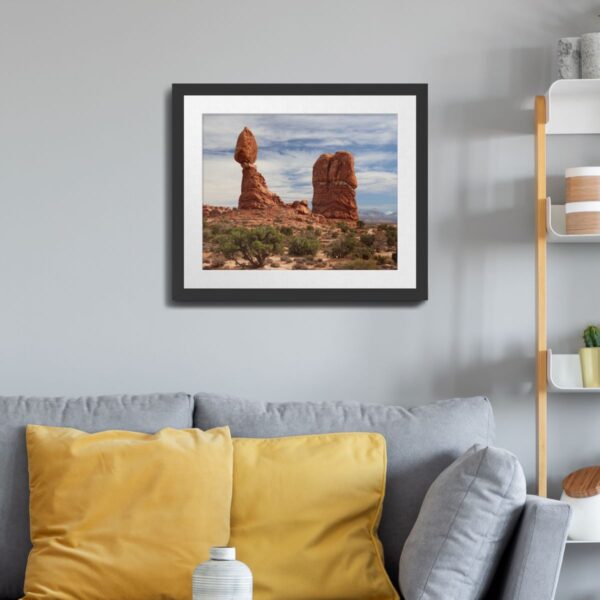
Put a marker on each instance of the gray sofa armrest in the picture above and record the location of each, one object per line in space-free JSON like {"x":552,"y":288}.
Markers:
{"x":532,"y":562}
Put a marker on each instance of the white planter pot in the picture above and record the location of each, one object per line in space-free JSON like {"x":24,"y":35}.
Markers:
{"x":585,"y":522}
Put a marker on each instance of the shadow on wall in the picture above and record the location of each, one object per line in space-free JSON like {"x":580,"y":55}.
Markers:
{"x":510,"y":377}
{"x":492,"y":222}
{"x":507,"y":110}
{"x":168,"y":220}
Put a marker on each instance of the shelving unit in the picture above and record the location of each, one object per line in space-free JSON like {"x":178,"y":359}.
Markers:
{"x":564,"y":375}
{"x":557,"y":230}
{"x":569,"y":107}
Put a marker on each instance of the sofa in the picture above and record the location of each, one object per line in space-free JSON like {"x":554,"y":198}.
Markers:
{"x":421,"y":443}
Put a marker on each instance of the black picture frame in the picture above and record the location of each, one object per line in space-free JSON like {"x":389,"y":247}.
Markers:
{"x":340,"y":296}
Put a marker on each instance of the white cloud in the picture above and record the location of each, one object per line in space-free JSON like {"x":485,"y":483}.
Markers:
{"x":221,"y":131}
{"x":287,"y":167}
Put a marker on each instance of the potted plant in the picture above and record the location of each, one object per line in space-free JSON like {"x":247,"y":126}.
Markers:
{"x":590,"y":357}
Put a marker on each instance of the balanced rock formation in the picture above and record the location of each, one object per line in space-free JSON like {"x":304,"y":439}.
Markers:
{"x":255,"y":192}
{"x":334,"y":186}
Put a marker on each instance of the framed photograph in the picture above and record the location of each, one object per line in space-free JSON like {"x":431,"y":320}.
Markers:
{"x":299,"y":193}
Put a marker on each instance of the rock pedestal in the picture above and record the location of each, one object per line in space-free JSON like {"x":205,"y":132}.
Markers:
{"x":334,"y":186}
{"x":255,"y":191}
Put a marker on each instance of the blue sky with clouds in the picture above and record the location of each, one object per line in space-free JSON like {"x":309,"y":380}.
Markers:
{"x":288,"y":146}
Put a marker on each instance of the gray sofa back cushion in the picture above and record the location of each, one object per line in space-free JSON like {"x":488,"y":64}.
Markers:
{"x":421,"y":443}
{"x":135,"y":413}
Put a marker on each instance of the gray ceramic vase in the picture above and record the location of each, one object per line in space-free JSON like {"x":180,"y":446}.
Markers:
{"x":569,"y":58}
{"x":590,"y":55}
{"x":222,"y":577}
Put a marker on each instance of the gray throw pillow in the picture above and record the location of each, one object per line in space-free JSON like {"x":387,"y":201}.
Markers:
{"x":466,"y":520}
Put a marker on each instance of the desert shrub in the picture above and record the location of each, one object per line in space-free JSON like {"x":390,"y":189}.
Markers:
{"x":286,"y":230}
{"x":381,"y":260}
{"x":392,"y":237}
{"x":358,"y":264}
{"x":368,"y":239}
{"x":217,"y":262}
{"x":344,"y":227}
{"x":391,"y":234}
{"x":305,"y":245}
{"x":218,"y":228}
{"x":360,"y":224}
{"x":310,"y":228}
{"x":252,"y":245}
{"x":343,"y":246}
{"x":364,"y":252}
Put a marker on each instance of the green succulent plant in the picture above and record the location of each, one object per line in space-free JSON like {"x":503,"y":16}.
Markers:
{"x":591,"y":337}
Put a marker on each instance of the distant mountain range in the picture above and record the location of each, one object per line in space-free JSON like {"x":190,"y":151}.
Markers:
{"x":374,"y":215}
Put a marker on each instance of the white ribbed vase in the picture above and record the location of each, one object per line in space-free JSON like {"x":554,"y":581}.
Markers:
{"x":222,"y":577}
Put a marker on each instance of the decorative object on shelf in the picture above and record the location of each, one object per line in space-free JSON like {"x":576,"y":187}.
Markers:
{"x":278,"y":241}
{"x":569,"y":58}
{"x":581,"y":489}
{"x":222,"y":577}
{"x":590,"y":357}
{"x":582,"y":209}
{"x":590,"y":55}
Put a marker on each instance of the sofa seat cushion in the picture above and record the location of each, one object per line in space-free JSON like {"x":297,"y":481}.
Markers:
{"x":125,"y":515}
{"x":421,"y":443}
{"x":145,"y":413}
{"x":467,"y":519}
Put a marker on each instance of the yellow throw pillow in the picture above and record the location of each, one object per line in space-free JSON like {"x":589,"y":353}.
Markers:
{"x":305,"y":513}
{"x":124,"y":516}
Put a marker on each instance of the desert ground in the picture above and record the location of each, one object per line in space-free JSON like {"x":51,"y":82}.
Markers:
{"x":282,"y":239}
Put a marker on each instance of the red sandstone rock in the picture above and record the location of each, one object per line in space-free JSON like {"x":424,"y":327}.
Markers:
{"x":246,"y":148}
{"x":255,"y":192}
{"x":334,"y":186}
{"x":300,"y":206}
{"x":216,"y":211}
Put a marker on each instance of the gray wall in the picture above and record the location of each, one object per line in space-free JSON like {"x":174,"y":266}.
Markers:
{"x":84,"y":201}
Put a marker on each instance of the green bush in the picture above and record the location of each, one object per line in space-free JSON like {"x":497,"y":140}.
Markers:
{"x":364,"y":252}
{"x":252,"y":245}
{"x":218,"y":228}
{"x":360,"y":224}
{"x":286,"y":230}
{"x":344,"y":227}
{"x":304,"y":246}
{"x":218,"y":262}
{"x":391,"y":234}
{"x":343,"y":246}
{"x":358,"y":264}
{"x":368,"y":239}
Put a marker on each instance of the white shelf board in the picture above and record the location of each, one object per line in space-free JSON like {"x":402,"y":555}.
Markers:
{"x":564,"y":374}
{"x":583,"y":542}
{"x":557,"y":229}
{"x":573,"y":106}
